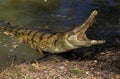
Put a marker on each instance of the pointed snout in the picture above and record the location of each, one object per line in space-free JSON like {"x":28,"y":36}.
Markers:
{"x":95,"y":42}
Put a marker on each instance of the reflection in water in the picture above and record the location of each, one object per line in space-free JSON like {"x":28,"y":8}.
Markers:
{"x":57,"y":14}
{"x":33,"y":11}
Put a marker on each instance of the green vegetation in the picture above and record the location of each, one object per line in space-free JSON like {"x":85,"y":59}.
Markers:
{"x":77,"y":71}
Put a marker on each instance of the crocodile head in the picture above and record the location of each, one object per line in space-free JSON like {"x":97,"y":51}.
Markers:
{"x":78,"y":37}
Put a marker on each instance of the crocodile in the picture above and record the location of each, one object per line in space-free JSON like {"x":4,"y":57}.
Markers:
{"x":53,"y":42}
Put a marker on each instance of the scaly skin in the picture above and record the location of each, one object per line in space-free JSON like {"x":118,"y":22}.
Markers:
{"x":52,"y":42}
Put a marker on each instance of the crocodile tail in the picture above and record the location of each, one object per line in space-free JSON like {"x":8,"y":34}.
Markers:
{"x":4,"y":24}
{"x":10,"y":28}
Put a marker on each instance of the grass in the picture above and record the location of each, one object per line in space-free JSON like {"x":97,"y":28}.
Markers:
{"x":77,"y":71}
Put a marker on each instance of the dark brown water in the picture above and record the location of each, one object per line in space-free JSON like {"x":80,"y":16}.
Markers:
{"x":56,"y":14}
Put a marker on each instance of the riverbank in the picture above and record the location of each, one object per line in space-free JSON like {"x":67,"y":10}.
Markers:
{"x":104,"y":66}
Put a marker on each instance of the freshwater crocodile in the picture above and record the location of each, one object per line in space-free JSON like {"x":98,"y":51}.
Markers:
{"x":53,"y":42}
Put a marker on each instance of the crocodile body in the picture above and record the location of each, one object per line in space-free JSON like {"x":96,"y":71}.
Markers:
{"x":53,"y":42}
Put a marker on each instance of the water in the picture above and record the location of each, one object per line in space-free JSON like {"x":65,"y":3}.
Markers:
{"x":56,"y":14}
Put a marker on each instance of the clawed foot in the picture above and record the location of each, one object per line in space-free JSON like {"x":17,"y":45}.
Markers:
{"x":15,"y":46}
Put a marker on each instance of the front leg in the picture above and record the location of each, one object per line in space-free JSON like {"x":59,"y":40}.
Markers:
{"x":40,"y":52}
